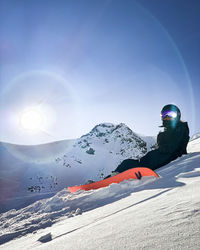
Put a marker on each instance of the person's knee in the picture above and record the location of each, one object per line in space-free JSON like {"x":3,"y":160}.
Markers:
{"x":127,"y":161}
{"x":127,"y":164}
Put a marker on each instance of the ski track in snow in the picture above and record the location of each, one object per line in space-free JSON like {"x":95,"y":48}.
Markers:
{"x":36,"y":218}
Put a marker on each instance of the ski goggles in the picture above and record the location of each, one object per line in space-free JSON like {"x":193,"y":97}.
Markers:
{"x":169,"y":113}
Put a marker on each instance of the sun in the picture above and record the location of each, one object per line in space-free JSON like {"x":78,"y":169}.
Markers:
{"x":31,"y":119}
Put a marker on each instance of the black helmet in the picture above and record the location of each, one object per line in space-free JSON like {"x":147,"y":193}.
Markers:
{"x":170,"y":114}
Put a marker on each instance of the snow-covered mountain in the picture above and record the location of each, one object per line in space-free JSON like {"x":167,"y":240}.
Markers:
{"x":46,"y":169}
{"x":150,"y":213}
{"x":103,"y":148}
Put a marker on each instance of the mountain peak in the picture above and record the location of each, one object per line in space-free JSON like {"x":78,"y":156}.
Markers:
{"x":104,"y":129}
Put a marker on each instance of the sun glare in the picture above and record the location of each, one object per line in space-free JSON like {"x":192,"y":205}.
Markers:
{"x":31,"y":119}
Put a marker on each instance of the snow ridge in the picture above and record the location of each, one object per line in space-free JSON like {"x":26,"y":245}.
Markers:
{"x":195,"y":136}
{"x":44,"y":213}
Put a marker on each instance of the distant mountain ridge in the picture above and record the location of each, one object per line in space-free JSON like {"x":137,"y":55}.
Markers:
{"x":104,"y":147}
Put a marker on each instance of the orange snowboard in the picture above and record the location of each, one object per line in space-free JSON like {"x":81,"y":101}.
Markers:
{"x":133,"y":173}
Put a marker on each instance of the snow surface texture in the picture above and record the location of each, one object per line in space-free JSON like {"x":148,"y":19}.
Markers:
{"x":35,"y":172}
{"x":150,"y":213}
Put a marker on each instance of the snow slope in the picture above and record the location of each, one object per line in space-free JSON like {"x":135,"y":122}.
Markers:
{"x":150,"y":213}
{"x":29,"y":173}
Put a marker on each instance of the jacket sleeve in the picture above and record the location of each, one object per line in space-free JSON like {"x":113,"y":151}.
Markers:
{"x":162,"y":144}
{"x":184,"y":140}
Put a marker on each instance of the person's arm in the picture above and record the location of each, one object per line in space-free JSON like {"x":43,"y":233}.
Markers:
{"x":162,"y":140}
{"x":184,"y":140}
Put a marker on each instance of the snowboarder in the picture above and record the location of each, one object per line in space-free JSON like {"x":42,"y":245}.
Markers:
{"x":171,"y":143}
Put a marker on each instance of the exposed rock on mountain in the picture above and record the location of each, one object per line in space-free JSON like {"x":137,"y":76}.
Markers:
{"x":104,"y":147}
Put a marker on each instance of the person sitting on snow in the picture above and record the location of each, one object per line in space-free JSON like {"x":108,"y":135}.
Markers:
{"x":171,"y":143}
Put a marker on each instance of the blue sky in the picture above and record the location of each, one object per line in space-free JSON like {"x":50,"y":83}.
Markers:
{"x":88,"y":62}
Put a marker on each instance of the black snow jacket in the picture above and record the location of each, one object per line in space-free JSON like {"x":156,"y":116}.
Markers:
{"x":171,"y":144}
{"x":174,"y":140}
